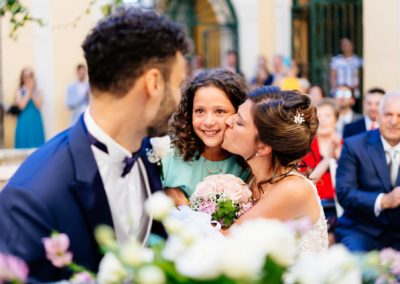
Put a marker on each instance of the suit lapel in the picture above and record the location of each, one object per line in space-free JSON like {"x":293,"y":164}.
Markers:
{"x":377,"y":155}
{"x":153,"y":170}
{"x":88,"y":187}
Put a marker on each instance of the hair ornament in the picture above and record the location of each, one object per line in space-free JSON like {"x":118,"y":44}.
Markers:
{"x":299,"y":118}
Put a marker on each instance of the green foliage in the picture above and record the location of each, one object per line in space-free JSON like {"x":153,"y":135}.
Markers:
{"x":19,"y":15}
{"x":226,"y":212}
{"x":272,"y":272}
{"x":108,"y":8}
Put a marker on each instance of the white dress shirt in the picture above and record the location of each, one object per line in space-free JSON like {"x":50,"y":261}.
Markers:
{"x":126,"y":195}
{"x":387,"y":148}
{"x":368,"y":123}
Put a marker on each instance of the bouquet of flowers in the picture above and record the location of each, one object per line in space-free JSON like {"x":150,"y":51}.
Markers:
{"x":225,"y":197}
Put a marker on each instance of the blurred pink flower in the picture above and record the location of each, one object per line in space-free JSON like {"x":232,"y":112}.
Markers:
{"x":83,"y":278}
{"x":57,"y":249}
{"x":12,"y":269}
{"x":207,"y":206}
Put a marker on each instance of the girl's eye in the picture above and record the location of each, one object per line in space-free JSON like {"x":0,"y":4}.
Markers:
{"x":198,"y":111}
{"x":220,"y":111}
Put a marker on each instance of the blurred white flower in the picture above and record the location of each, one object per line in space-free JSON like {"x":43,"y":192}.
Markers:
{"x":270,"y":237}
{"x":111,"y":270}
{"x":105,"y":236}
{"x":202,"y":260}
{"x":173,"y":226}
{"x":159,"y":205}
{"x":150,"y":274}
{"x":134,"y":254}
{"x":336,"y":266}
{"x":242,"y":261}
{"x":174,"y":247}
{"x":161,"y":146}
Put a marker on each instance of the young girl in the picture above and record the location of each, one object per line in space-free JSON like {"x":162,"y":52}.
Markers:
{"x":198,"y":130}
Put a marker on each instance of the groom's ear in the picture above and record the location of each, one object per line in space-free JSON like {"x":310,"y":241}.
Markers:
{"x":264,"y":150}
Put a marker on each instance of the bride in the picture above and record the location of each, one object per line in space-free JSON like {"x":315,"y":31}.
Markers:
{"x":272,"y":131}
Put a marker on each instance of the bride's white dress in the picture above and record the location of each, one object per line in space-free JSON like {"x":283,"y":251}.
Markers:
{"x":315,"y":239}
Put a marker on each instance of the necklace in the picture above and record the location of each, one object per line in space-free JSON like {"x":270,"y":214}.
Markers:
{"x":211,"y":171}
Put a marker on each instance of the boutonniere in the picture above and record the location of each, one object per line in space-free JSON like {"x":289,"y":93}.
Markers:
{"x":160,"y":146}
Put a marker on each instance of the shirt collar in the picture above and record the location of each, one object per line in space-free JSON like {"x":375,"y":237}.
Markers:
{"x":115,"y":150}
{"x":387,"y":147}
{"x":368,"y":122}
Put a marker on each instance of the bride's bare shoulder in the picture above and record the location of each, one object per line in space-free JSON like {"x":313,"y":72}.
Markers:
{"x":294,"y":186}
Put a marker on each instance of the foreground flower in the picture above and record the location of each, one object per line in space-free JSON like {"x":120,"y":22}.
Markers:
{"x":56,"y":248}
{"x":150,"y":274}
{"x":111,"y":270}
{"x":83,"y":278}
{"x":134,"y":254}
{"x":12,"y":269}
{"x":202,"y":260}
{"x":159,"y":205}
{"x":105,"y":237}
{"x":336,"y":265}
{"x":161,"y":145}
{"x":269,"y":237}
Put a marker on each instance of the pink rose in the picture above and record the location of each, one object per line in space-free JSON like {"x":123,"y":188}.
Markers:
{"x":12,"y":269}
{"x":56,"y":250}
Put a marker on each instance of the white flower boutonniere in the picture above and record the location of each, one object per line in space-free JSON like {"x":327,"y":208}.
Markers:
{"x":160,"y":146}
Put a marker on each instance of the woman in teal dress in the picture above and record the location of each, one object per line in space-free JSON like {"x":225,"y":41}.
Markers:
{"x":198,"y":130}
{"x":29,"y":131}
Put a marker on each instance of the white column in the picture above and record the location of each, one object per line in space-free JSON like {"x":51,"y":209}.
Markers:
{"x":248,"y":30}
{"x":283,"y":28}
{"x":44,"y":63}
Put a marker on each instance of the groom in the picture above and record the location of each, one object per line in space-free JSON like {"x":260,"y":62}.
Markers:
{"x":87,"y":175}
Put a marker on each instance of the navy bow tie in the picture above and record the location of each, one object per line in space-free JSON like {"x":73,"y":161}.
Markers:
{"x":129,"y":161}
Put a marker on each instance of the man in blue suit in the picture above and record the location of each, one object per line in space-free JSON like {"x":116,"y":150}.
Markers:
{"x":369,"y":121}
{"x":368,"y":183}
{"x":87,"y":175}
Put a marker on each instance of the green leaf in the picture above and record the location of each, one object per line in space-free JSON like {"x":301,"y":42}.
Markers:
{"x":226,"y":212}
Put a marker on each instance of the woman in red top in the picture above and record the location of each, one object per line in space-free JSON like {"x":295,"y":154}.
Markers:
{"x":325,"y":147}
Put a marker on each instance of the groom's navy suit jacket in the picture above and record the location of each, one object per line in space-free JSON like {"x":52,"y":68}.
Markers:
{"x":362,"y":174}
{"x":59,"y":188}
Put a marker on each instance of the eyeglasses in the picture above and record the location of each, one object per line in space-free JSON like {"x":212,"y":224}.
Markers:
{"x":345,"y":94}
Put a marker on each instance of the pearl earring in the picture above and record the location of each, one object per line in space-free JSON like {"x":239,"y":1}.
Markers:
{"x":257,"y":154}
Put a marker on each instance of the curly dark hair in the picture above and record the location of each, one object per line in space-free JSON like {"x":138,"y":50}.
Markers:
{"x":184,"y":139}
{"x":122,"y":46}
{"x":274,"y":115}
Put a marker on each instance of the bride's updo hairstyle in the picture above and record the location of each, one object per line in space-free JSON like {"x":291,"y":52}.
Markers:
{"x":286,"y":121}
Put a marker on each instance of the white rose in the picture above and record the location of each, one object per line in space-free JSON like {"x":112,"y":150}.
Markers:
{"x":151,"y":274}
{"x":242,"y":262}
{"x":174,"y":247}
{"x":202,"y":260}
{"x":159,"y":205}
{"x":336,"y":265}
{"x":271,"y":237}
{"x":161,"y":145}
{"x":133,"y":254}
{"x":111,"y":270}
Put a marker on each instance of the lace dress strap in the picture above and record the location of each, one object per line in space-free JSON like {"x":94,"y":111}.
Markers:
{"x":316,"y":238}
